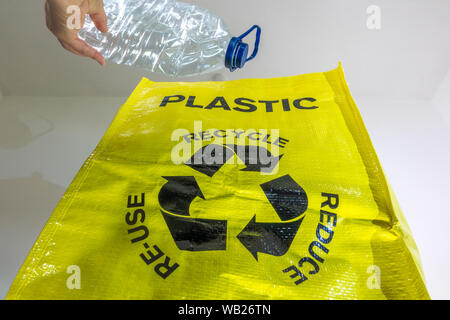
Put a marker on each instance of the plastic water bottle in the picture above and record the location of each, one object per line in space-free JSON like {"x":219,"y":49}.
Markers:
{"x":167,"y":36}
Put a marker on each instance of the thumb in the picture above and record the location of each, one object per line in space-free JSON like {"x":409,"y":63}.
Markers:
{"x":98,"y":15}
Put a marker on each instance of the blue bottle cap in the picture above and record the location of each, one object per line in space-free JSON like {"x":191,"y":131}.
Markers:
{"x":237,"y":51}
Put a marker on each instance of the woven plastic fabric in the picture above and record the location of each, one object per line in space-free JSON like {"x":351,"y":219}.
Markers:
{"x":246,"y":189}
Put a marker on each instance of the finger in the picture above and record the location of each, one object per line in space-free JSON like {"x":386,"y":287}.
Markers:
{"x":68,"y":47}
{"x":98,"y":15}
{"x":47,"y":15}
{"x":83,"y":49}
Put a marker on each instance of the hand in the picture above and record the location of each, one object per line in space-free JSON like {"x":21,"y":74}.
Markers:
{"x":57,"y":17}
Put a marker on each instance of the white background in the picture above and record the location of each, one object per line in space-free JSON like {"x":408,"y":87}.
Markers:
{"x":57,"y":106}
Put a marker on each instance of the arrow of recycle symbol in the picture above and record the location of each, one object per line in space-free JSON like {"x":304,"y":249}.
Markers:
{"x":274,"y":238}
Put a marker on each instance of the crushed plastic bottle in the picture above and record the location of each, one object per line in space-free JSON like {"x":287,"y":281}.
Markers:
{"x":169,"y":37}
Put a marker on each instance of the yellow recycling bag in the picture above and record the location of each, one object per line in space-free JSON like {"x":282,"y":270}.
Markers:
{"x":246,"y":189}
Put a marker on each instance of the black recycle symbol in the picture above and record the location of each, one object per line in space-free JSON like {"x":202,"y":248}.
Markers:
{"x":274,"y":238}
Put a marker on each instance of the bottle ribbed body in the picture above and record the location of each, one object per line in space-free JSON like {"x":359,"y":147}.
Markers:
{"x":165,"y":36}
